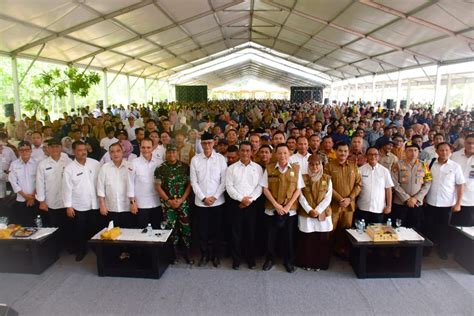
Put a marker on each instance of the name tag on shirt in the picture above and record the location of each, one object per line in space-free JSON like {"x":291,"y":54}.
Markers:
{"x":80,"y":174}
{"x":365,"y":175}
{"x":49,"y":168}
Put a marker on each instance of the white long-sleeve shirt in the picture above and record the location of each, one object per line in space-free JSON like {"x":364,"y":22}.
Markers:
{"x":243,"y":180}
{"x":22,"y":177}
{"x":49,"y":181}
{"x":141,"y":180}
{"x":311,"y":225}
{"x":208,"y":178}
{"x":112,"y":184}
{"x":374,"y":182}
{"x":442,"y":192}
{"x":467,"y":166}
{"x":79,"y":185}
{"x":37,"y":153}
{"x":301,"y":160}
{"x":7,"y":156}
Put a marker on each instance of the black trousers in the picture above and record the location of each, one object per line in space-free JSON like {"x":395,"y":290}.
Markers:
{"x":58,"y":218}
{"x":210,"y":232}
{"x":287,"y":224}
{"x":23,"y":215}
{"x":463,"y":218}
{"x":122,"y":219}
{"x":440,"y":226}
{"x":84,"y":226}
{"x":369,"y":217}
{"x":154,"y":216}
{"x":411,"y":217}
{"x":243,"y":232}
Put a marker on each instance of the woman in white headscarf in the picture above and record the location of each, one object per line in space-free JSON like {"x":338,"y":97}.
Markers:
{"x":314,"y":218}
{"x":67,"y":146}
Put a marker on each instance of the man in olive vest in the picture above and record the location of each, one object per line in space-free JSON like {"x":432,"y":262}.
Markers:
{"x":347,"y":184}
{"x":282,"y":183}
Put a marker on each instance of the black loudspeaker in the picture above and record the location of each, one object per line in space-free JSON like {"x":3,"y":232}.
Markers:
{"x":403,"y":104}
{"x":8,"y":108}
{"x":326,"y":101}
{"x":305,"y":94}
{"x":7,"y":311}
{"x":390,"y":104}
{"x":99,"y":104}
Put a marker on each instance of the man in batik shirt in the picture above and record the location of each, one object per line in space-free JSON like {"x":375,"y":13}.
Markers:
{"x":174,"y":187}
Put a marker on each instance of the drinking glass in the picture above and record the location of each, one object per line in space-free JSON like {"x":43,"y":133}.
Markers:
{"x":398,"y":223}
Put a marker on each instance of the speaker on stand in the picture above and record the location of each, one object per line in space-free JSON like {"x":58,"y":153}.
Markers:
{"x":8,"y":109}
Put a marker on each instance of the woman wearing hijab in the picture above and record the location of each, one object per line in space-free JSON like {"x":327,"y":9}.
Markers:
{"x":67,"y":146}
{"x":314,"y":218}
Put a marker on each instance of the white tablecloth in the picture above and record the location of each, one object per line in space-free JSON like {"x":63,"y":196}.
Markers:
{"x":127,"y":234}
{"x":467,"y":230}
{"x":404,"y":234}
{"x":42,"y":232}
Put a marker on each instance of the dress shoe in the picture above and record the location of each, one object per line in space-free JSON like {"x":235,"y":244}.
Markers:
{"x":203,"y":261}
{"x":80,"y":256}
{"x":252,"y":266}
{"x":289,"y":267}
{"x":235,"y":266}
{"x":216,"y":262}
{"x":267,"y":265}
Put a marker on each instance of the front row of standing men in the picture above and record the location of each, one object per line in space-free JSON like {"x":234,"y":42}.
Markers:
{"x":321,"y":204}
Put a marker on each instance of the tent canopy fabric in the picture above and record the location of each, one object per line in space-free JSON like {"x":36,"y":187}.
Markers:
{"x":161,"y":38}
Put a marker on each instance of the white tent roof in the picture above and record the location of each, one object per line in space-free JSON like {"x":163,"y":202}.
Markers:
{"x":160,"y":38}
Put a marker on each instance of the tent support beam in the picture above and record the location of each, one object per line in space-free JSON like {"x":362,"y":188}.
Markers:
{"x":16,"y":89}
{"x":31,"y":64}
{"x":106,"y":90}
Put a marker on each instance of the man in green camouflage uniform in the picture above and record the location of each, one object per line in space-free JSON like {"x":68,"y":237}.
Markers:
{"x":174,"y":187}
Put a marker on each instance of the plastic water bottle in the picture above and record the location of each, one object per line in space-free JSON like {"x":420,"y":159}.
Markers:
{"x":149,"y":230}
{"x":362,"y":225}
{"x":389,"y":222}
{"x":39,"y":221}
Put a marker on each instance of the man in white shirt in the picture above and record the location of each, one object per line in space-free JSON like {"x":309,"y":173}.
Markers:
{"x":112,"y":184}
{"x":49,"y":177}
{"x":282,"y":183}
{"x":465,"y":158}
{"x":429,"y":153}
{"x":7,"y":156}
{"x":375,"y":198}
{"x":243,"y":186}
{"x":207,"y":175}
{"x":131,"y":127}
{"x":37,"y":149}
{"x":80,"y":197}
{"x":145,"y":201}
{"x":110,"y":139}
{"x":22,"y":177}
{"x":302,"y":154}
{"x":444,"y":197}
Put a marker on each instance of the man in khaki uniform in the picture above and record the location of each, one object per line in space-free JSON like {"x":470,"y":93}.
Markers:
{"x":185,"y":150}
{"x":412,"y":181}
{"x":347,"y":184}
{"x":387,"y":158}
{"x":282,"y":183}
